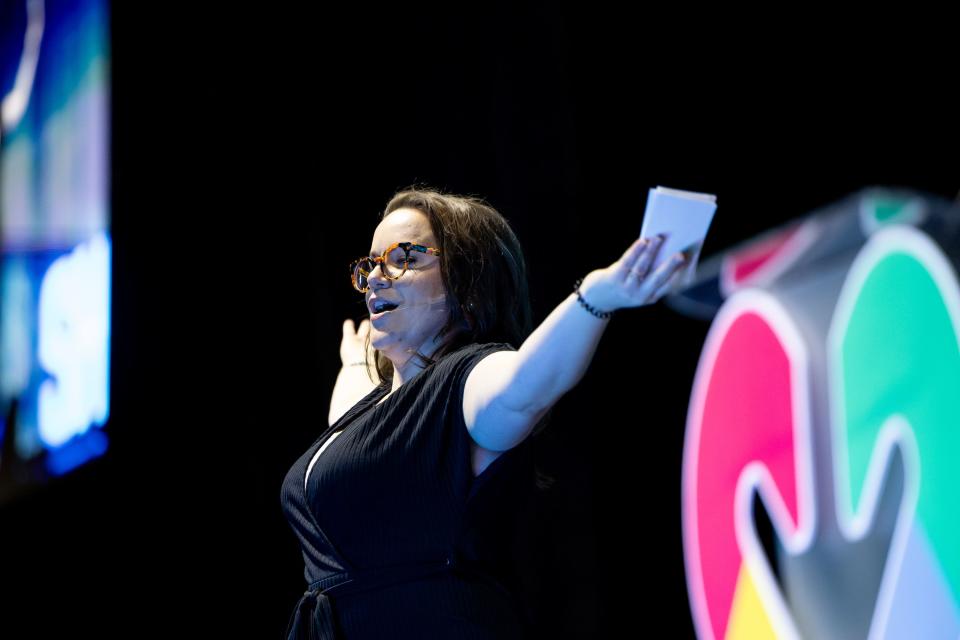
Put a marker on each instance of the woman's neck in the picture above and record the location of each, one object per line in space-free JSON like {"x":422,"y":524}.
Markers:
{"x":411,"y":367}
{"x":413,"y":364}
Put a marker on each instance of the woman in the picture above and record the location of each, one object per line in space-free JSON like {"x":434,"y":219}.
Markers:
{"x":399,"y":504}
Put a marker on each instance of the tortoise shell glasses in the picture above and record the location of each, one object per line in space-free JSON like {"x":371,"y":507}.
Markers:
{"x":393,"y":263}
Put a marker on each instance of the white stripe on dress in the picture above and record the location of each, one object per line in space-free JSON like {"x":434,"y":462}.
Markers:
{"x":317,"y":455}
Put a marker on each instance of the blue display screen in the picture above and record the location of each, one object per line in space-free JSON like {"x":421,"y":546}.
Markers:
{"x":55,"y":242}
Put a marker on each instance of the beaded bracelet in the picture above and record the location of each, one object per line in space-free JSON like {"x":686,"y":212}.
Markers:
{"x":591,"y":309}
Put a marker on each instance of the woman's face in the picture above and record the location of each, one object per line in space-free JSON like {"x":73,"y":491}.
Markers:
{"x":419,"y":293}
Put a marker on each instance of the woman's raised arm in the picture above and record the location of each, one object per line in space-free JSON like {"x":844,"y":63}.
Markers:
{"x":507,"y":392}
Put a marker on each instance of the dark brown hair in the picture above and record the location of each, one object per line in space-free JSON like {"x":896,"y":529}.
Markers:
{"x":483,"y":273}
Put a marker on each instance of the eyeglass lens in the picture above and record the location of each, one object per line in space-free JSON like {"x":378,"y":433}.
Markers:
{"x":392,"y":267}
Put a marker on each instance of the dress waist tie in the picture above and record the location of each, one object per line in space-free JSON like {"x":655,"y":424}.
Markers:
{"x":312,"y":619}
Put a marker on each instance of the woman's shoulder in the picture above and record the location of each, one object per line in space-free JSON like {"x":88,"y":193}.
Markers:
{"x":460,"y":360}
{"x":479,"y":347}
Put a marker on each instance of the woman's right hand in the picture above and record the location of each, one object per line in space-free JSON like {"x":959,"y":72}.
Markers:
{"x":352,"y":345}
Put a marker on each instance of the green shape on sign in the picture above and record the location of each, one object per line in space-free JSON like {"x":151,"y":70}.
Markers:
{"x":900,"y":356}
{"x":887,"y":210}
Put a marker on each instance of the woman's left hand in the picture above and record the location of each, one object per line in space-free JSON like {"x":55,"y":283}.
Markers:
{"x":628,"y":282}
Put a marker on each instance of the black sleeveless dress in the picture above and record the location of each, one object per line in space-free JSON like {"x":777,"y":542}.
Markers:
{"x":399,"y":539}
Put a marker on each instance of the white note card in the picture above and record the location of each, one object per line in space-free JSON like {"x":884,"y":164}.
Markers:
{"x":685,"y":217}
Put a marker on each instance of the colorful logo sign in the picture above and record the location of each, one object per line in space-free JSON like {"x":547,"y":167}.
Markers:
{"x":830,"y":397}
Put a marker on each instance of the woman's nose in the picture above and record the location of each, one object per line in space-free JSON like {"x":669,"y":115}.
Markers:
{"x":376,"y":277}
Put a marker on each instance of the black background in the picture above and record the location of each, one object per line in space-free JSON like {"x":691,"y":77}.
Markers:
{"x":252,"y":152}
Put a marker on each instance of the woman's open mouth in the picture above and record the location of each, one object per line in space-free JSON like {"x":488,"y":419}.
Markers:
{"x":387,"y":308}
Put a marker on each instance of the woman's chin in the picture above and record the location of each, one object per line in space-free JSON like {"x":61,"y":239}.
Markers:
{"x":381,"y":340}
